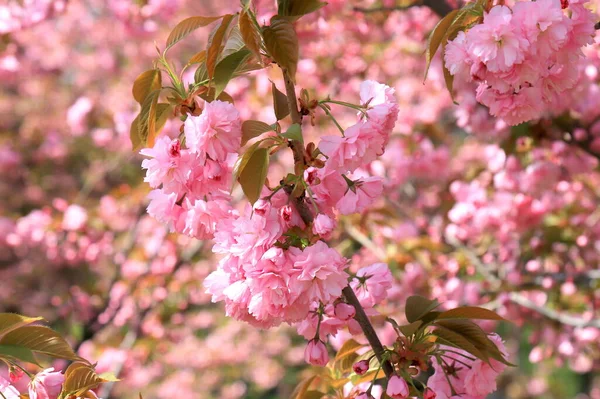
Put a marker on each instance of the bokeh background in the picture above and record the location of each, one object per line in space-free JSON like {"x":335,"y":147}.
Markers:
{"x":475,"y":212}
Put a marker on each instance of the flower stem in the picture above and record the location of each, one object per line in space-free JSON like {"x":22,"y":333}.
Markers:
{"x":365,"y":324}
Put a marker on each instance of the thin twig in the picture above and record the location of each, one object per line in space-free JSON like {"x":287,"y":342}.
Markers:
{"x":520,"y":299}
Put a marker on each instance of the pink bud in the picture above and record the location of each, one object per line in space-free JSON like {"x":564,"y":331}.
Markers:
{"x":344,"y":312}
{"x":316,"y":353}
{"x":15,"y":375}
{"x":397,"y":388}
{"x":364,"y":395}
{"x":429,"y":394}
{"x":361,"y":367}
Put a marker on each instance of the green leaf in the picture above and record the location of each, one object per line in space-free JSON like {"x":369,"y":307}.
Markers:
{"x":252,"y":176}
{"x":40,"y":339}
{"x":437,"y":36}
{"x":418,"y":306}
{"x":470,"y":312}
{"x":227,"y":67}
{"x":281,"y":42}
{"x":214,"y":48}
{"x":294,"y":132}
{"x":410,"y":329}
{"x":146,"y":83}
{"x":252,"y":129}
{"x":201,"y":75}
{"x":280,"y":103}
{"x":17,"y":353}
{"x":12,"y":321}
{"x":250,"y":33}
{"x":186,"y":27}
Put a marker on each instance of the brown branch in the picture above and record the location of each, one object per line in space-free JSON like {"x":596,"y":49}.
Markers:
{"x":518,"y":298}
{"x":365,"y":324}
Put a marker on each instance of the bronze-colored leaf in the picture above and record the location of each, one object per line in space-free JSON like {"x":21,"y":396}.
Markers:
{"x":437,"y":36}
{"x":252,"y":176}
{"x":40,"y":339}
{"x":186,"y":27}
{"x":12,"y":321}
{"x":80,"y":378}
{"x":134,"y":134}
{"x":147,"y":119}
{"x":280,"y":103}
{"x":214,"y":48}
{"x":252,"y":129}
{"x":418,"y":306}
{"x":470,"y":312}
{"x":146,"y":83}
{"x":250,"y":33}
{"x":298,"y":8}
{"x":281,"y":42}
{"x":302,"y":388}
{"x":198,"y":58}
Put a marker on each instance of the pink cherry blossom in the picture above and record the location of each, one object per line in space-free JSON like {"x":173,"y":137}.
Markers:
{"x":216,"y":132}
{"x":46,"y":384}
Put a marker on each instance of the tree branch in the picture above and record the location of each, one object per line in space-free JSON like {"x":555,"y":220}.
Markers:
{"x":365,"y":324}
{"x":520,"y":299}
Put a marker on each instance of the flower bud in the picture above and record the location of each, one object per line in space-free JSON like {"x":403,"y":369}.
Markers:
{"x":361,"y":367}
{"x":15,"y":375}
{"x":397,"y":388}
{"x":429,"y":394}
{"x":364,"y":395}
{"x":316,"y":353}
{"x":344,"y":311}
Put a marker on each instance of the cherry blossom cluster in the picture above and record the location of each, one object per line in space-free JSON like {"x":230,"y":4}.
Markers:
{"x":523,"y":59}
{"x":275,"y":267}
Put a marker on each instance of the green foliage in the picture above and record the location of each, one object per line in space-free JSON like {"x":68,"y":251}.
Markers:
{"x":253,"y":174}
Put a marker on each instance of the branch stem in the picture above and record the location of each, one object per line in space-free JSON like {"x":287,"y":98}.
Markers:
{"x":365,"y":324}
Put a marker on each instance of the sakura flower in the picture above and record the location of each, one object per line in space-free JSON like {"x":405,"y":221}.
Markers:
{"x":216,"y":132}
{"x":47,"y":384}
{"x":360,"y":194}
